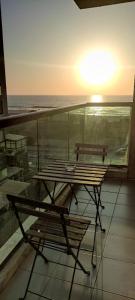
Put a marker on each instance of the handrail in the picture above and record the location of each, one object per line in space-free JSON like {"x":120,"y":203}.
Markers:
{"x":10,"y":120}
{"x":6,"y":121}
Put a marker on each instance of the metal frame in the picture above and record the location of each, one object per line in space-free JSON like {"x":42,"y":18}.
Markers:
{"x":3,"y":88}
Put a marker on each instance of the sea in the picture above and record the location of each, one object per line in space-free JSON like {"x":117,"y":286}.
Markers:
{"x":35,"y":102}
{"x":49,"y":101}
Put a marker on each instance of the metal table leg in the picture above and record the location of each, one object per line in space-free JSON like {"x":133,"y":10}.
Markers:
{"x":48,"y":192}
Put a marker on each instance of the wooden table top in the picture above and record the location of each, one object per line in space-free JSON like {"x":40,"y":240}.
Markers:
{"x":71,"y":172}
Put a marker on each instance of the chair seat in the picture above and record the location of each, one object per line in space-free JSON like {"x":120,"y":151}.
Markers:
{"x":53,"y":232}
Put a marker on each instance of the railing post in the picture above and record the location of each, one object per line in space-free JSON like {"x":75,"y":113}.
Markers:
{"x":38,"y":159}
{"x":3,"y":89}
{"x":68,"y":156}
{"x":131,"y":158}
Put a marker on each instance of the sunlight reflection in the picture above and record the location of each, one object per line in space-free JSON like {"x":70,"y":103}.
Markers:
{"x":96,"y":98}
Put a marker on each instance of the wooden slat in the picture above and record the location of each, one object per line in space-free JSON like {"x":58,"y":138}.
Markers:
{"x":91,"y":146}
{"x":75,"y":231}
{"x":50,"y":217}
{"x":78,"y":219}
{"x":76,"y":171}
{"x":78,"y":225}
{"x":37,"y":204}
{"x":51,"y":238}
{"x":53,"y":230}
{"x":63,"y":162}
{"x":66,"y":180}
{"x":92,"y":152}
{"x":90,"y":149}
{"x":78,"y":230}
{"x":94,"y":168}
{"x":70,"y":175}
{"x":78,"y":166}
{"x":79,"y":163}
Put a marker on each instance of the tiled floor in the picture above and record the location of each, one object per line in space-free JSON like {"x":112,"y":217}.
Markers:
{"x":114,"y":277}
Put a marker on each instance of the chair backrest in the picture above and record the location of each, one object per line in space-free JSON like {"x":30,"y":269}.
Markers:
{"x":42,"y":210}
{"x":91,"y":149}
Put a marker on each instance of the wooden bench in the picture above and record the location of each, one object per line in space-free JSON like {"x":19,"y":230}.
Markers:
{"x":91,"y":149}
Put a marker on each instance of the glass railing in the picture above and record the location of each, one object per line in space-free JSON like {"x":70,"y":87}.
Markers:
{"x":53,"y":137}
{"x":16,"y":170}
{"x":101,"y":126}
{"x":26,"y":146}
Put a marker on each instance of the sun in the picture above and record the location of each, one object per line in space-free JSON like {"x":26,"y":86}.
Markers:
{"x":98,"y":67}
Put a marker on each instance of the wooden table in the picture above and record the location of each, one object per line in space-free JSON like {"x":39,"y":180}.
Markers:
{"x":75,"y":173}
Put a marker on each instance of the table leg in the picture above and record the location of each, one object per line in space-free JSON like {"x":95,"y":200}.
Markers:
{"x":100,"y":203}
{"x":97,"y":200}
{"x":91,"y":196}
{"x":48,"y":192}
{"x":73,"y":193}
{"x":54,"y":188}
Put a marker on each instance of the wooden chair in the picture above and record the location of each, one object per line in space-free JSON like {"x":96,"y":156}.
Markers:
{"x":91,"y":149}
{"x":52,"y":228}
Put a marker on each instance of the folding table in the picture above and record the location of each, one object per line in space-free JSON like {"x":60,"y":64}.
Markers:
{"x":75,"y":173}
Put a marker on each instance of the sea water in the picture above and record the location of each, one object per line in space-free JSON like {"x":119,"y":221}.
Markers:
{"x":58,"y":100}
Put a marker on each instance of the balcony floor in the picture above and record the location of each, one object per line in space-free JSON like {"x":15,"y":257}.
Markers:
{"x":114,"y":277}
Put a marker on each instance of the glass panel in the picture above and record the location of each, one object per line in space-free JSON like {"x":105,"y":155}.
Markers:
{"x":21,"y":147}
{"x":53,"y":137}
{"x":76,"y":130}
{"x":18,"y":163}
{"x":108,"y":126}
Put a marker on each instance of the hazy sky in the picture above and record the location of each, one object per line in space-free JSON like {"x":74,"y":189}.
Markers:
{"x":45,"y":39}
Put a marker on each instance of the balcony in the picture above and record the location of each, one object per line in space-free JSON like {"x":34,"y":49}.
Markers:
{"x":114,"y":255}
{"x":27,"y":142}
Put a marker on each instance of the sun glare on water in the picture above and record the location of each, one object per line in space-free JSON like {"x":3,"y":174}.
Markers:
{"x":98,"y":68}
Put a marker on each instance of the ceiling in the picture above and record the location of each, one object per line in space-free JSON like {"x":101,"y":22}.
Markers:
{"x":93,"y":3}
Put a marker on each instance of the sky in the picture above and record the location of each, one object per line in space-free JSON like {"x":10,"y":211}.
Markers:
{"x":45,"y":40}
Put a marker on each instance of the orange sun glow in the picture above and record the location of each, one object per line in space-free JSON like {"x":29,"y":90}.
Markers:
{"x":98,"y":68}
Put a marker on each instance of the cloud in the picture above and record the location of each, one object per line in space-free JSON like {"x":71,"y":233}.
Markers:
{"x":41,"y":64}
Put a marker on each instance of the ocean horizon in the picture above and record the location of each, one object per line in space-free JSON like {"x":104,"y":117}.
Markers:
{"x":50,"y":101}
